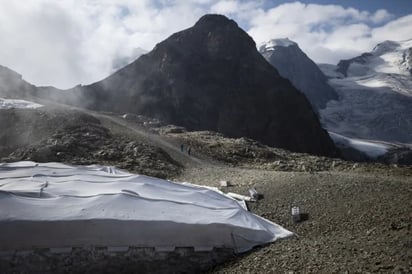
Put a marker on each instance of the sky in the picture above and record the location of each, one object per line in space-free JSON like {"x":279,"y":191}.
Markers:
{"x":68,"y":42}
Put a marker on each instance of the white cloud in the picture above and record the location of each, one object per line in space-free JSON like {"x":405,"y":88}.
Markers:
{"x":399,"y":29}
{"x":328,"y":33}
{"x":225,"y":7}
{"x":381,"y":16}
{"x":67,"y":42}
{"x":37,"y":39}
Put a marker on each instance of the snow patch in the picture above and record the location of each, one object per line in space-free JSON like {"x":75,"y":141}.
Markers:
{"x":14,"y":103}
{"x":270,"y":45}
{"x":372,"y":149}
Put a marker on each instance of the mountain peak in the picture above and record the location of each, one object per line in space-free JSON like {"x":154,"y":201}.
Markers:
{"x":293,"y":64}
{"x":390,"y":57}
{"x":385,"y":47}
{"x":280,"y":42}
{"x":214,"y":20}
{"x":211,"y":77}
{"x":213,"y":36}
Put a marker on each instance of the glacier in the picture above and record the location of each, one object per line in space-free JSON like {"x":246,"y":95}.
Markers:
{"x":375,"y":95}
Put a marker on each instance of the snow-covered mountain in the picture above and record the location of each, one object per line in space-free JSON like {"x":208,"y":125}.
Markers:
{"x":293,"y":64}
{"x":375,"y":94}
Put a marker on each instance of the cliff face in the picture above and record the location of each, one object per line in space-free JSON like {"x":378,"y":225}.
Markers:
{"x":13,"y":86}
{"x":211,"y":76}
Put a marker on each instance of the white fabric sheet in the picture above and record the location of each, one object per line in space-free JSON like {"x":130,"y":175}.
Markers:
{"x":56,"y":205}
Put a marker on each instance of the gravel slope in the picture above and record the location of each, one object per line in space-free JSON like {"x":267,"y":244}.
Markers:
{"x":359,"y":222}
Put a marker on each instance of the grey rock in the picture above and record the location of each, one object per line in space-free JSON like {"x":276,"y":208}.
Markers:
{"x":293,"y":64}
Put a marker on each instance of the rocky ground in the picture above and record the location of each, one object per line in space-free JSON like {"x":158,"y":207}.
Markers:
{"x":81,"y":139}
{"x":358,"y":221}
{"x":358,"y":215}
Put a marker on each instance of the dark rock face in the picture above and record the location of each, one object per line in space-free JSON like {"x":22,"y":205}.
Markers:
{"x":343,"y":65}
{"x":401,"y":155}
{"x":212,"y":77}
{"x":13,"y":86}
{"x":293,"y":64}
{"x":407,"y":60}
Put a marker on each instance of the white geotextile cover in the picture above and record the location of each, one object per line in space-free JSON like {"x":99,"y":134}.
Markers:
{"x":53,"y":205}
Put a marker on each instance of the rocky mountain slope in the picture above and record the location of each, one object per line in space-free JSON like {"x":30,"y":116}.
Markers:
{"x":51,"y":134}
{"x":212,"y":77}
{"x":125,"y":59}
{"x":293,"y":64}
{"x":333,"y":193}
{"x":358,"y":215}
{"x":13,"y":86}
{"x":375,"y":94}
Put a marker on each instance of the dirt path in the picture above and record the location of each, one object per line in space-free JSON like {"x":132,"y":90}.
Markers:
{"x":120,"y":125}
{"x":171,"y":148}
